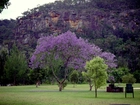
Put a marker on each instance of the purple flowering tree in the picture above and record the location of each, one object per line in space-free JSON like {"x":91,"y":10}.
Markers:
{"x":59,"y":53}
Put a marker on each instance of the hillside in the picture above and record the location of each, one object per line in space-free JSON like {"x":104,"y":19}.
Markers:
{"x":112,"y":25}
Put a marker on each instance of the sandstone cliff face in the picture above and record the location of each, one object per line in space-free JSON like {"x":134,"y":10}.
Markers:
{"x":37,"y":25}
{"x":42,"y":23}
{"x":39,"y":22}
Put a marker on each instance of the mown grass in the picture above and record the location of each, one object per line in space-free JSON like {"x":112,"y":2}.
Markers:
{"x":49,"y":95}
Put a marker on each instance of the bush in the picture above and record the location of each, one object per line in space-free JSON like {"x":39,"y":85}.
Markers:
{"x":64,"y":84}
{"x":74,"y":77}
{"x":129,"y":78}
{"x":137,"y":75}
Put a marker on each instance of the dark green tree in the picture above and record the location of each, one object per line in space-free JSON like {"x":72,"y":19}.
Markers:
{"x":4,"y":4}
{"x":137,"y":75}
{"x":119,"y":73}
{"x":74,"y":77}
{"x":3,"y":56}
{"x":88,"y":77}
{"x":15,"y":65}
{"x":37,"y":75}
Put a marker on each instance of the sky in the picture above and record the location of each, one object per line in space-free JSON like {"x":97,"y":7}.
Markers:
{"x":17,"y":7}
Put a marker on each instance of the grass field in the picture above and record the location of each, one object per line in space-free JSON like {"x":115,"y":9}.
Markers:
{"x":49,"y":95}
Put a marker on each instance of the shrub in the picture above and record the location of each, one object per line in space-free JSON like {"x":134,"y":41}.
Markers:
{"x":129,"y":78}
{"x":64,"y":84}
{"x":137,"y":75}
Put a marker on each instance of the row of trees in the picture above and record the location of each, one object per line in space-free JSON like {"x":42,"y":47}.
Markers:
{"x":14,"y":62}
{"x":52,"y":59}
{"x":13,"y":66}
{"x":60,"y":54}
{"x":63,"y":58}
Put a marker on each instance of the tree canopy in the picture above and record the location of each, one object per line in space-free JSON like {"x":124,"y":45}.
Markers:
{"x":4,"y":4}
{"x":72,"y":50}
{"x":96,"y":69}
{"x":65,"y":51}
{"x":15,"y":65}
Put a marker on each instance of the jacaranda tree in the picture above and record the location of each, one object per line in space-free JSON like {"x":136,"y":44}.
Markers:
{"x":63,"y":52}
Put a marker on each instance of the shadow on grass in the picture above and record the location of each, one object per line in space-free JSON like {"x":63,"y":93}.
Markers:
{"x":106,"y":95}
{"x":57,"y":91}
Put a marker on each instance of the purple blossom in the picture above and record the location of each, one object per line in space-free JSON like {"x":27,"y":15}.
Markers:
{"x":109,"y":59}
{"x":74,"y":52}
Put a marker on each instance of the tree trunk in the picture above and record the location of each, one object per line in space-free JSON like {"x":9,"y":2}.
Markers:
{"x":60,"y":86}
{"x":74,"y":85}
{"x":37,"y":83}
{"x":14,"y":81}
{"x":95,"y":92}
{"x":90,"y":87}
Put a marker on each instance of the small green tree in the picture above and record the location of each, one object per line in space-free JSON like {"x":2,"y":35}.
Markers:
{"x":36,"y":75}
{"x":97,"y":68}
{"x":74,"y":77}
{"x":129,"y":78}
{"x":15,"y":65}
{"x":88,"y":77}
{"x":119,"y":73}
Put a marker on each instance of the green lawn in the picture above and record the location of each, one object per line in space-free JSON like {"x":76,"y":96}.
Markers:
{"x":49,"y":95}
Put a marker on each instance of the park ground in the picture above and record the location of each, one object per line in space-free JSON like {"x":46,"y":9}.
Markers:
{"x":78,"y":95}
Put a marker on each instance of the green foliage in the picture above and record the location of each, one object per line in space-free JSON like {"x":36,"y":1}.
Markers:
{"x":128,"y":78}
{"x":3,"y":57}
{"x":81,"y":78}
{"x":4,"y":4}
{"x":88,"y":78}
{"x":97,"y":70}
{"x":119,"y":73}
{"x":63,"y":85}
{"x":15,"y":65}
{"x":137,"y":75}
{"x":54,"y":66}
{"x":6,"y":30}
{"x":74,"y":76}
{"x":36,"y":75}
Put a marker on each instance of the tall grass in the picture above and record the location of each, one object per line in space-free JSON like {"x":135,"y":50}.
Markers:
{"x":49,"y":95}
